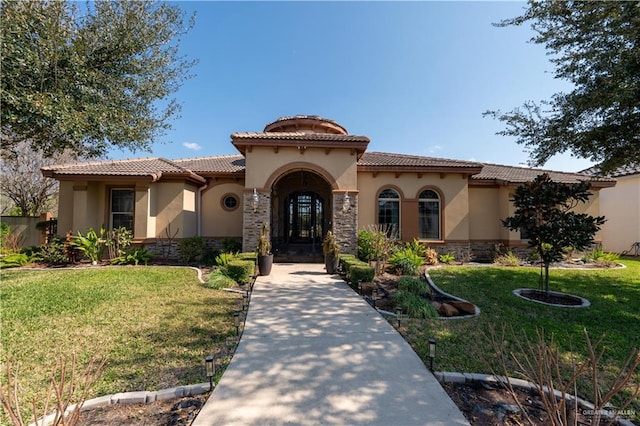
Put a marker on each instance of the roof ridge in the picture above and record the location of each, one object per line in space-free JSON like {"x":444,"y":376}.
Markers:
{"x":422,"y":157}
{"x":97,"y":162}
{"x":536,"y":169}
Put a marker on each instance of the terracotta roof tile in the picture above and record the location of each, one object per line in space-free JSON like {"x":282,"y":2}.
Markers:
{"x":514,"y":174}
{"x":218,"y":164}
{"x":384,"y":159}
{"x":300,"y":136}
{"x":130,"y":167}
{"x":619,"y":172}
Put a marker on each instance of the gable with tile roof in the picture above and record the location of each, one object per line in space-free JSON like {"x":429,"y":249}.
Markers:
{"x":304,"y":176}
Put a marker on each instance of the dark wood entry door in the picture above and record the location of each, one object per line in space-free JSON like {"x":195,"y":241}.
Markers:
{"x":304,"y":219}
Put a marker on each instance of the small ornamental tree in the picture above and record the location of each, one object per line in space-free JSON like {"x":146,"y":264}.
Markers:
{"x":543,"y":211}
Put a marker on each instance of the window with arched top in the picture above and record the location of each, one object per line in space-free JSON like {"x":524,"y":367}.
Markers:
{"x":429,"y":215}
{"x":389,"y":212}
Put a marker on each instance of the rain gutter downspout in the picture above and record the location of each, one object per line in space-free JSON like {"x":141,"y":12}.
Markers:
{"x":199,"y":208}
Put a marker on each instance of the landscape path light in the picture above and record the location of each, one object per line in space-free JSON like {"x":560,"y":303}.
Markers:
{"x":236,"y":321}
{"x":398,"y":315}
{"x":210,"y":368}
{"x":432,"y":351}
{"x":374,"y":296}
{"x":360,"y":287}
{"x":245,"y":301}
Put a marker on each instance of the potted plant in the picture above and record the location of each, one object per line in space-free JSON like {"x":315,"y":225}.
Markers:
{"x":265,"y":257}
{"x":331,"y":251}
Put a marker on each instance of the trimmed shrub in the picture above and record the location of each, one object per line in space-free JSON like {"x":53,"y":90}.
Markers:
{"x":345,"y":261}
{"x":239,"y":270}
{"x":247,"y":255}
{"x":190,"y":249}
{"x":413,"y":285}
{"x":56,"y":252}
{"x":364,"y":273}
{"x":217,"y":280}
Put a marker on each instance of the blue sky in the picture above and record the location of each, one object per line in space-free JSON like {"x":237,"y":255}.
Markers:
{"x":415,"y":77}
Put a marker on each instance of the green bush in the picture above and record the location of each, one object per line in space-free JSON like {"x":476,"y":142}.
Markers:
{"x":223,"y":258}
{"x":133,"y":256}
{"x":248,"y":255}
{"x":190,"y":249}
{"x":217,"y":280}
{"x":415,"y":306}
{"x":413,"y":285}
{"x":239,"y":270}
{"x":230,"y":245}
{"x":55,"y":252}
{"x":507,"y":259}
{"x":91,"y":245}
{"x":361,"y":272}
{"x":14,"y":260}
{"x":599,"y":255}
{"x":345,"y":261}
{"x":407,"y":260}
{"x":447,"y":257}
{"x":366,"y":245}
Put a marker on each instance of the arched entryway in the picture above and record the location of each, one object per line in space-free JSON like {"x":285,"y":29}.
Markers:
{"x":300,"y":215}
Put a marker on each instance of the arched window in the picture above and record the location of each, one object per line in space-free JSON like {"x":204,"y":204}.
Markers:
{"x":429,"y":215}
{"x":389,"y":212}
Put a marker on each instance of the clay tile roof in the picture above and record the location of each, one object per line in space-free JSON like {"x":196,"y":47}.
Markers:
{"x":619,"y":172}
{"x":512,"y":174}
{"x":383,"y":159}
{"x":300,"y":136}
{"x":218,"y":164}
{"x":154,"y":167}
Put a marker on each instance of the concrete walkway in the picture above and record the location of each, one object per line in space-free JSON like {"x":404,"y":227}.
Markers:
{"x":314,"y":353}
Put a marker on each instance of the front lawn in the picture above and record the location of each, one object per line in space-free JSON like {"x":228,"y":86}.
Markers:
{"x":615,"y":313}
{"x":153,"y":325}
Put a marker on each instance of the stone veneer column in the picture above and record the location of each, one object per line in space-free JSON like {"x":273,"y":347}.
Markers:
{"x":252,"y":221}
{"x":345,"y":223}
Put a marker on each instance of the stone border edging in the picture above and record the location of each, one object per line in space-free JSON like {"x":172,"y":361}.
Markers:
{"x":135,"y":397}
{"x":490,"y":379}
{"x":585,"y":302}
{"x":433,"y":284}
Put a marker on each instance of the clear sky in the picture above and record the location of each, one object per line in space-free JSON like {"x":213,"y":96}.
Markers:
{"x":415,"y":77}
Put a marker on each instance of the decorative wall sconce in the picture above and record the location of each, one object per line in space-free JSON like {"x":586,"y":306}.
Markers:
{"x":346,"y":203}
{"x":255,"y":200}
{"x":210,"y":368}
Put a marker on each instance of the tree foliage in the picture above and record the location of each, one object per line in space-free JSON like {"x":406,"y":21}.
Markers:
{"x":89,"y":78}
{"x":544,"y":212}
{"x":596,"y":46}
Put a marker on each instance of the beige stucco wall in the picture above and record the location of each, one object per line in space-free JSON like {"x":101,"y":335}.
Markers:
{"x":84,"y":205}
{"x":263,"y":162}
{"x":216,"y":221}
{"x":175,"y":209}
{"x":485,"y":214}
{"x":452,"y":188}
{"x":621,"y":207}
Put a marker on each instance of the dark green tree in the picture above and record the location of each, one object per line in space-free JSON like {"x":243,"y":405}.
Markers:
{"x":89,"y":78}
{"x":544,"y":212}
{"x":596,"y":46}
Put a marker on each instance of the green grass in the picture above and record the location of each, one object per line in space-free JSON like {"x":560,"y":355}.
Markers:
{"x":615,"y":313}
{"x":153,"y":325}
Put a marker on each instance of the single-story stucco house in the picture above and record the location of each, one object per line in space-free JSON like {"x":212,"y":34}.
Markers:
{"x":303,"y":175}
{"x":620,"y":205}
